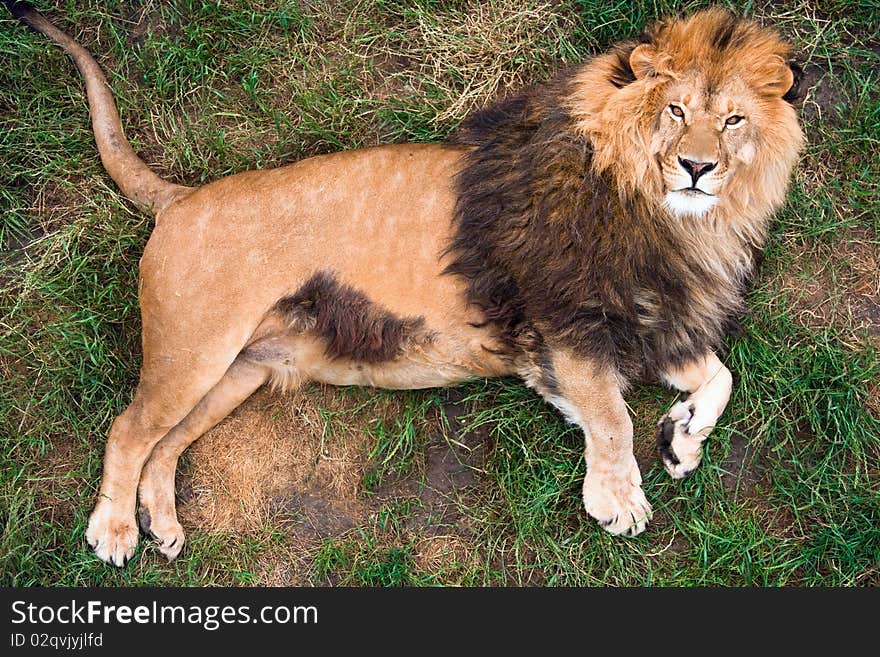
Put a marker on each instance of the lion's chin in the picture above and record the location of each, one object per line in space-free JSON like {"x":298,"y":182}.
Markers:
{"x":689,"y":203}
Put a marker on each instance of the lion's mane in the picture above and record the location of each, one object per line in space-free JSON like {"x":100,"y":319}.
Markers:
{"x":568,"y":247}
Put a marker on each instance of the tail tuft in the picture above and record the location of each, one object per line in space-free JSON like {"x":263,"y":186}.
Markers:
{"x":19,"y":8}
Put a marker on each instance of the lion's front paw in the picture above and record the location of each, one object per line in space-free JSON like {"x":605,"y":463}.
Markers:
{"x":113,"y":538}
{"x":679,"y":443}
{"x":617,"y":503}
{"x":164,"y":530}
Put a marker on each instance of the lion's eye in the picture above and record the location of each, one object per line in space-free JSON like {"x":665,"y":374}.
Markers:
{"x":733,"y":120}
{"x":676,"y":111}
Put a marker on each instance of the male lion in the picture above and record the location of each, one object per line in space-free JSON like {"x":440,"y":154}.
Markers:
{"x":582,"y":234}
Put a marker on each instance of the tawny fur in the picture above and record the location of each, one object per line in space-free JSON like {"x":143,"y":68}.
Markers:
{"x":562,"y":238}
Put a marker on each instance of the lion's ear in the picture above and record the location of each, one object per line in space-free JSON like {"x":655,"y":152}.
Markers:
{"x":778,"y":76}
{"x":646,"y":62}
{"x":641,"y":61}
{"x":793,"y":95}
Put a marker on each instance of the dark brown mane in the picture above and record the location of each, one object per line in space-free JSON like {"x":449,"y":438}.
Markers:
{"x":555,"y":252}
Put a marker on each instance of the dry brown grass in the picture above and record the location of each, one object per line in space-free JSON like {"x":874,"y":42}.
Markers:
{"x":277,"y":465}
{"x":251,"y":473}
{"x":274,"y":448}
{"x":468,"y":60}
{"x":438,"y":554}
{"x":839,"y":286}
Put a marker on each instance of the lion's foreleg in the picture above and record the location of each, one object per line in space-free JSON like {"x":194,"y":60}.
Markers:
{"x":688,"y":423}
{"x":590,"y":396}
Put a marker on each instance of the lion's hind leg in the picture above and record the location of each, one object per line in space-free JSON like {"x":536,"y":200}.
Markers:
{"x":167,"y":391}
{"x":688,"y":423}
{"x":157,"y":514}
{"x":178,"y":398}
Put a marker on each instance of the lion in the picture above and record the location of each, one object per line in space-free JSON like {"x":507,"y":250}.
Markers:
{"x":582,"y":234}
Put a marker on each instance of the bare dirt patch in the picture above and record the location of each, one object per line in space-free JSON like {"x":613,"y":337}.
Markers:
{"x":835,"y":284}
{"x":873,"y":402}
{"x":146,"y":21}
{"x":840,"y":288}
{"x":273,"y":457}
{"x":821,"y":96}
{"x":744,"y":468}
{"x":275,"y":462}
{"x":453,"y":461}
{"x":56,"y":501}
{"x":51,"y":205}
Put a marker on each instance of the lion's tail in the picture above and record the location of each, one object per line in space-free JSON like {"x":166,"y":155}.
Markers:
{"x":129,"y":172}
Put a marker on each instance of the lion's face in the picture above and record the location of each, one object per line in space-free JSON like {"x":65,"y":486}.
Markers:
{"x":696,"y":118}
{"x":702,"y":138}
{"x":719,"y":121}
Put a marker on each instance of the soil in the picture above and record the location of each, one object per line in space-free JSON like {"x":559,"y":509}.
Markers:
{"x":744,"y":469}
{"x":821,"y":96}
{"x":316,"y":517}
{"x":848,"y":296}
{"x":844,"y":292}
{"x":271,"y":461}
{"x":453,"y":461}
{"x":145,"y":21}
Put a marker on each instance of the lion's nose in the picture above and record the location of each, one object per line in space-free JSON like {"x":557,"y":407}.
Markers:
{"x":696,"y":169}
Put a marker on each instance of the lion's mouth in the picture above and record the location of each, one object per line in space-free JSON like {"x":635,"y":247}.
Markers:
{"x":693,"y":190}
{"x":690,"y":201}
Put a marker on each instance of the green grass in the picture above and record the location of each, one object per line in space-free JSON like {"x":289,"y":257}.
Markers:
{"x":207,"y":89}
